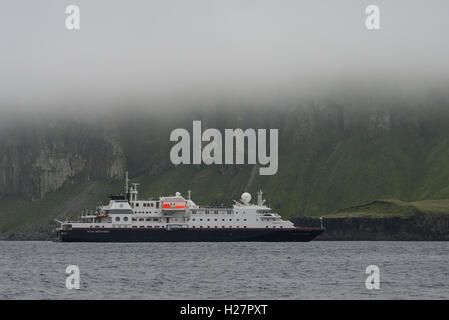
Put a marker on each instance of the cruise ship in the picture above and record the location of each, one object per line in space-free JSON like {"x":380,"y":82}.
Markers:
{"x":178,"y":219}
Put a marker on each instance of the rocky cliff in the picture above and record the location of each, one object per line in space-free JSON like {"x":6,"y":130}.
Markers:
{"x":36,"y":159}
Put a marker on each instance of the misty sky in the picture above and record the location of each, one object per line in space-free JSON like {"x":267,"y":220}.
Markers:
{"x":204,"y":50}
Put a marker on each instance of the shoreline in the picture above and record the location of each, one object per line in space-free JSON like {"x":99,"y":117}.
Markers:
{"x":419,"y":227}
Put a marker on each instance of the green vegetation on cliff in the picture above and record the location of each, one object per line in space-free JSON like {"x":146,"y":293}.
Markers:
{"x":393,"y":208}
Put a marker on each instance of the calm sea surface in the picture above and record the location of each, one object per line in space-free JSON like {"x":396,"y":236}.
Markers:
{"x":314,"y":270}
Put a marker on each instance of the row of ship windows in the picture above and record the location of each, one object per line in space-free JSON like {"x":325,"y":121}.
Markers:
{"x":193,"y":227}
{"x":117,"y":219}
{"x":217,"y":219}
{"x":135,"y":219}
{"x":145,"y":212}
{"x":125,"y":226}
{"x":214,"y":212}
{"x":150,"y":204}
{"x":200,"y":212}
{"x":201,"y":227}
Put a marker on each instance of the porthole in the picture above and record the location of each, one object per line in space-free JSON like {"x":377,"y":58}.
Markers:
{"x":117,"y":219}
{"x":125,"y":218}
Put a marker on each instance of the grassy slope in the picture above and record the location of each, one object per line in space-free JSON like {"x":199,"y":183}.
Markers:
{"x":17,"y":213}
{"x":206,"y":183}
{"x":394,"y":208}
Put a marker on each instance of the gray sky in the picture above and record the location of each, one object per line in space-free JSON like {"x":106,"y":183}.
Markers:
{"x":154,"y":52}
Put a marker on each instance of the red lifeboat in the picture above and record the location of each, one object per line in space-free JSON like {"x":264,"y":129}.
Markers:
{"x":102,"y":215}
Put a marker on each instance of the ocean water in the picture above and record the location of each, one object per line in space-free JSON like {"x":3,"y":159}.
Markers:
{"x":314,"y":270}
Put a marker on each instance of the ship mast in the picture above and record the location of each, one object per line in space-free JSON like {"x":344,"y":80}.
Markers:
{"x":126,"y":182}
{"x":134,"y":192}
{"x":260,"y":200}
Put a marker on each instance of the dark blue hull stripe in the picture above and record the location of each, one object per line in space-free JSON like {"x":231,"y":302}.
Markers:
{"x":187,"y":235}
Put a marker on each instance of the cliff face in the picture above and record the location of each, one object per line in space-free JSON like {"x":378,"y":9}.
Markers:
{"x":36,"y":160}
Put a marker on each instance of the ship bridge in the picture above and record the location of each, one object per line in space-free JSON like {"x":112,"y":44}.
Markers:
{"x":119,"y":207}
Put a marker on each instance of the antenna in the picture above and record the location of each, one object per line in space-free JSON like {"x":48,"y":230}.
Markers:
{"x":126,"y":182}
{"x":260,"y":200}
{"x":134,"y":190}
{"x":189,"y":192}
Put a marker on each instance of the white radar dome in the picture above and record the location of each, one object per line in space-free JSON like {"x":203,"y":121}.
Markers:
{"x":178,"y":194}
{"x":246,"y":197}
